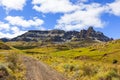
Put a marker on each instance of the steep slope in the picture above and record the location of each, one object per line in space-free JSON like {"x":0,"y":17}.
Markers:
{"x":62,"y":36}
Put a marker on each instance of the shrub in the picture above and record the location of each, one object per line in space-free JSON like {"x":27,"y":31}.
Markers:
{"x":5,"y":73}
{"x":15,"y":65}
{"x":4,"y":46}
{"x":12,"y":59}
{"x":109,"y":75}
{"x":114,"y":61}
{"x":88,"y":70}
{"x":69,"y":67}
{"x":93,"y":50}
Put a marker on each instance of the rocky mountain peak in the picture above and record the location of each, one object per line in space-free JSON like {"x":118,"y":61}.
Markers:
{"x":61,"y":35}
{"x":91,"y":32}
{"x":91,"y":29}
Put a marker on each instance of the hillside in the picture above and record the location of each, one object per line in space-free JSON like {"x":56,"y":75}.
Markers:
{"x":62,"y":36}
{"x":4,"y":46}
{"x":11,"y":67}
{"x":74,"y":60}
{"x":93,"y":57}
{"x":14,"y":65}
{"x":100,"y":61}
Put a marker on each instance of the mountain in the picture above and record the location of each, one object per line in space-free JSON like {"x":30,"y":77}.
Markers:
{"x":4,"y":39}
{"x":62,"y":36}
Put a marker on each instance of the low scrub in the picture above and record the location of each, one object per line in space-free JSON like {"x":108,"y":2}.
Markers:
{"x":4,"y":46}
{"x":11,"y":67}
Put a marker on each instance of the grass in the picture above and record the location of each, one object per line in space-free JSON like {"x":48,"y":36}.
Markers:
{"x":75,"y":60}
{"x":11,"y":67}
{"x":4,"y":46}
{"x":96,"y":62}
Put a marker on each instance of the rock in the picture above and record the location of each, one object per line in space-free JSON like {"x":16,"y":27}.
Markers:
{"x":62,"y":36}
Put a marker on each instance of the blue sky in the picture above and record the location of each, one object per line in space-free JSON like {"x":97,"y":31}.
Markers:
{"x":19,"y":16}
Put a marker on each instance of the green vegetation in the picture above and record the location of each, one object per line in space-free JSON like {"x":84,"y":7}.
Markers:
{"x":75,"y":60}
{"x":100,"y":61}
{"x":21,"y":45}
{"x":11,"y":67}
{"x":4,"y":46}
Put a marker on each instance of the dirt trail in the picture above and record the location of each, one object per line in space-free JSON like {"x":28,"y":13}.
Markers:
{"x":37,"y":70}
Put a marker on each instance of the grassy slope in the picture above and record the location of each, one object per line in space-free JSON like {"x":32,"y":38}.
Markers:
{"x":85,"y":63}
{"x":11,"y":67}
{"x":76,"y":60}
{"x":101,"y":52}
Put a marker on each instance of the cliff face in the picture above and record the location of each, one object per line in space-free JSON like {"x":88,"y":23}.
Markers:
{"x":62,"y":36}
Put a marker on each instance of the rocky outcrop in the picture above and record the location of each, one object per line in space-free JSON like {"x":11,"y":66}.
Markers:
{"x":62,"y":36}
{"x":93,"y":35}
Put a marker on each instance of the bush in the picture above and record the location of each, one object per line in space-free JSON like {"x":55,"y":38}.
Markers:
{"x":69,"y":67}
{"x":12,"y":59}
{"x":115,"y":61}
{"x":109,"y":75}
{"x":15,"y":65}
{"x":4,"y":46}
{"x":93,"y":50}
{"x":89,"y":69}
{"x":5,"y":73}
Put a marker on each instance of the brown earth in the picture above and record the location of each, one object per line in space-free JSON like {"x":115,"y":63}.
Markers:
{"x":36,"y":70}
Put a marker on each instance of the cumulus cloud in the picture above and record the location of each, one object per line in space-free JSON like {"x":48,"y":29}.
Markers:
{"x":20,"y":21}
{"x":10,"y":35}
{"x":114,"y":7}
{"x":82,"y":18}
{"x":4,"y":26}
{"x":13,"y":4}
{"x":53,"y":6}
{"x":77,"y":16}
{"x":15,"y":26}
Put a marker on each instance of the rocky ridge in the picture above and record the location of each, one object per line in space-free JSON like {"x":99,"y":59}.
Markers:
{"x":62,"y":36}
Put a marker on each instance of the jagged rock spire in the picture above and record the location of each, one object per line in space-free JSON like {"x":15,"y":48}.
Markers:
{"x":91,"y":29}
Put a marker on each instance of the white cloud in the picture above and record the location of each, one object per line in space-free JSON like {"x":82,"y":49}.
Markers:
{"x":13,"y":4}
{"x":79,"y":15}
{"x":20,"y":21}
{"x":4,"y":26}
{"x":15,"y":29}
{"x":14,"y":26}
{"x":88,"y":16}
{"x":11,"y":35}
{"x":54,"y":6}
{"x":114,"y":7}
{"x":9,"y":31}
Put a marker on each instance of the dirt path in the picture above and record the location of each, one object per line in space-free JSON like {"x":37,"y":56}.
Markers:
{"x":36,"y":70}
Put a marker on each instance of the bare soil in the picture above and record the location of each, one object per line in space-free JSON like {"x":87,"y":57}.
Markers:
{"x":36,"y":70}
